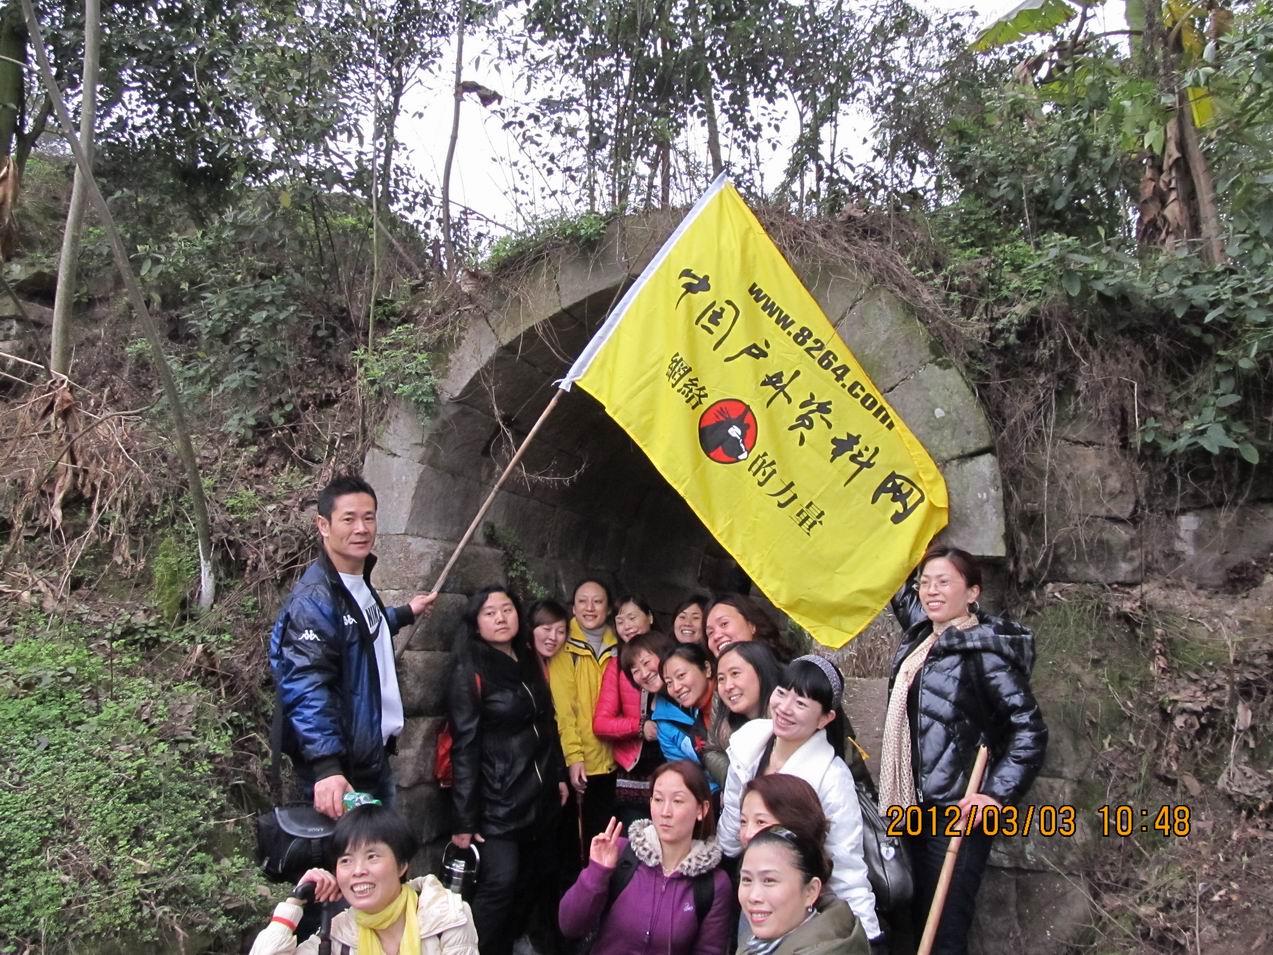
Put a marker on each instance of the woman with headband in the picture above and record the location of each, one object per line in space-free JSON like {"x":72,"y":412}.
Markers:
{"x":804,"y":738}
{"x":782,"y":892}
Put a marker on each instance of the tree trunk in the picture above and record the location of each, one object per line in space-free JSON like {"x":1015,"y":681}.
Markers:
{"x":1210,"y":230}
{"x":181,"y":430}
{"x":13,"y":49}
{"x":452,"y":266}
{"x":396,"y":89}
{"x":713,"y":132}
{"x":665,"y":174}
{"x":26,"y":140}
{"x":60,"y":360}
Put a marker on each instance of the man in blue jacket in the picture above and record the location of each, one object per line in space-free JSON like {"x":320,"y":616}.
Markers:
{"x":331,"y":653}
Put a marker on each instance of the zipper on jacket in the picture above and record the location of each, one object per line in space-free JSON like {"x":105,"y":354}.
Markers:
{"x":919,"y":714}
{"x":658,"y":907}
{"x":534,"y":726}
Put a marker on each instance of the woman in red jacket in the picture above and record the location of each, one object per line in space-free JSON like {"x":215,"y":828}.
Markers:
{"x":622,"y":718}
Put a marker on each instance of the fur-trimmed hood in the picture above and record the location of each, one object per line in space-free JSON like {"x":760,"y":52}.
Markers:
{"x":704,"y":855}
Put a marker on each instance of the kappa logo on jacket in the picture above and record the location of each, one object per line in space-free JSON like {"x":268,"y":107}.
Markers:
{"x":308,"y":635}
{"x":349,"y":620}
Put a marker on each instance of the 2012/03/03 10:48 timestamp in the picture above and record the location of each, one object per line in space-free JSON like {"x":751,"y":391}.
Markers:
{"x":1121,"y":820}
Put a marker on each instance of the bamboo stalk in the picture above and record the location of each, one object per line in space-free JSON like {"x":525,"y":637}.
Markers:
{"x":490,"y":498}
{"x":952,"y":854}
{"x":181,"y":429}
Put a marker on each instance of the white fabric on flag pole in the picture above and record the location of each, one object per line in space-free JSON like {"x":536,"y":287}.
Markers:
{"x":603,"y":333}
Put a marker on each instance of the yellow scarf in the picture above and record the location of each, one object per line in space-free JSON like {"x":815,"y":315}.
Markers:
{"x":404,"y":907}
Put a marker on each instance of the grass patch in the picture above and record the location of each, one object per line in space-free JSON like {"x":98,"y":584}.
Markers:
{"x":114,"y":827}
{"x":1090,"y":665}
{"x":582,"y":231}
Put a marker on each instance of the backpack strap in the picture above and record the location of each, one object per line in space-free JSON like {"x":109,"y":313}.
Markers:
{"x":703,"y":886}
{"x":623,"y":874}
{"x":704,"y":895}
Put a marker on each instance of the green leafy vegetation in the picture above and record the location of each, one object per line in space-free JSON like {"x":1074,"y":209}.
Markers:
{"x":1040,"y":177}
{"x":399,"y":367}
{"x":114,"y":824}
{"x":517,"y":572}
{"x":173,"y":567}
{"x":583,"y":230}
{"x":1068,"y":200}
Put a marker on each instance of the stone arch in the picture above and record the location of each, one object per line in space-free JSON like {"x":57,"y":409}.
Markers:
{"x":616,"y":514}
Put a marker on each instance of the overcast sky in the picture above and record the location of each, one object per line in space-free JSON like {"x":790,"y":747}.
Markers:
{"x":485,"y":165}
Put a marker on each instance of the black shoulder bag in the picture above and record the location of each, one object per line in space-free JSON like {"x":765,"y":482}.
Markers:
{"x":888,"y":864}
{"x":291,"y":837}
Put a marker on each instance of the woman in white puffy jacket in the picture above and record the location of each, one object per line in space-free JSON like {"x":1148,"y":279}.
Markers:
{"x":371,"y":846}
{"x":804,"y":738}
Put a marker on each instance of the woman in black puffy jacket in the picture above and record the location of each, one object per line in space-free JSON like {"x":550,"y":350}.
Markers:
{"x":960,"y":678}
{"x":509,"y":776}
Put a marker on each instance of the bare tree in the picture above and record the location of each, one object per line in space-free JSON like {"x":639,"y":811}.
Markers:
{"x":181,"y":429}
{"x":68,"y":265}
{"x":452,"y":266}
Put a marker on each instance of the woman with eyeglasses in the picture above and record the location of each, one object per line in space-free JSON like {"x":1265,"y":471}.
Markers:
{"x":960,"y":677}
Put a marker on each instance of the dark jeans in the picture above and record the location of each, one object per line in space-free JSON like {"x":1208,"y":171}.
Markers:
{"x":598,"y":807}
{"x":515,"y":878}
{"x":927,"y":855}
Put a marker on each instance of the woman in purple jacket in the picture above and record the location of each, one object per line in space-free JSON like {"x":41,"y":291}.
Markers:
{"x":661,"y":889}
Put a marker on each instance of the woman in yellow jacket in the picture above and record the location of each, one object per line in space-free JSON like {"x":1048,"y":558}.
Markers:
{"x":574,"y":676}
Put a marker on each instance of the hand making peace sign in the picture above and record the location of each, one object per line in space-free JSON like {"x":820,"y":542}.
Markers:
{"x":605,"y":845}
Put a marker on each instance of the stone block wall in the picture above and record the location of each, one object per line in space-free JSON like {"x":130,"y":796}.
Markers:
{"x":587,"y":500}
{"x":1090,"y":517}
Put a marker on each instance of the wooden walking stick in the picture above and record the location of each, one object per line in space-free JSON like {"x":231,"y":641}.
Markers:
{"x":952,"y":853}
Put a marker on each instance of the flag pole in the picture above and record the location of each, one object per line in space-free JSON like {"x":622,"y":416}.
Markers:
{"x":486,"y":505}
{"x":952,"y":853}
{"x":490,"y":498}
{"x":576,"y":370}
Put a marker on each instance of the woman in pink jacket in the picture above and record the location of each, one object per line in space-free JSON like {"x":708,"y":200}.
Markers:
{"x":661,"y":890}
{"x":622,"y":718}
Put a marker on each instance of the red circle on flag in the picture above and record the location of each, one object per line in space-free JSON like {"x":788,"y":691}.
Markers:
{"x":727,"y":431}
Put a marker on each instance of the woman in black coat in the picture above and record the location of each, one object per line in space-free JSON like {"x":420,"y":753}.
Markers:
{"x":960,"y":678}
{"x":509,"y":776}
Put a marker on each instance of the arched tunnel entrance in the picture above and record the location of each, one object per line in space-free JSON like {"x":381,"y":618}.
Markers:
{"x":587,"y":499}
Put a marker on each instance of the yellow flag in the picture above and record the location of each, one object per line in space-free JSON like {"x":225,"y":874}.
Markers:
{"x":722,"y":367}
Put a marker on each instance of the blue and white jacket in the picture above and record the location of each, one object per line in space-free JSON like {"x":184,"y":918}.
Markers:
{"x":324,"y":663}
{"x":683,"y":735}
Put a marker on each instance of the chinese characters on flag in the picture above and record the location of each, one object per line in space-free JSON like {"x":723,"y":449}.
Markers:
{"x":722,"y":367}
